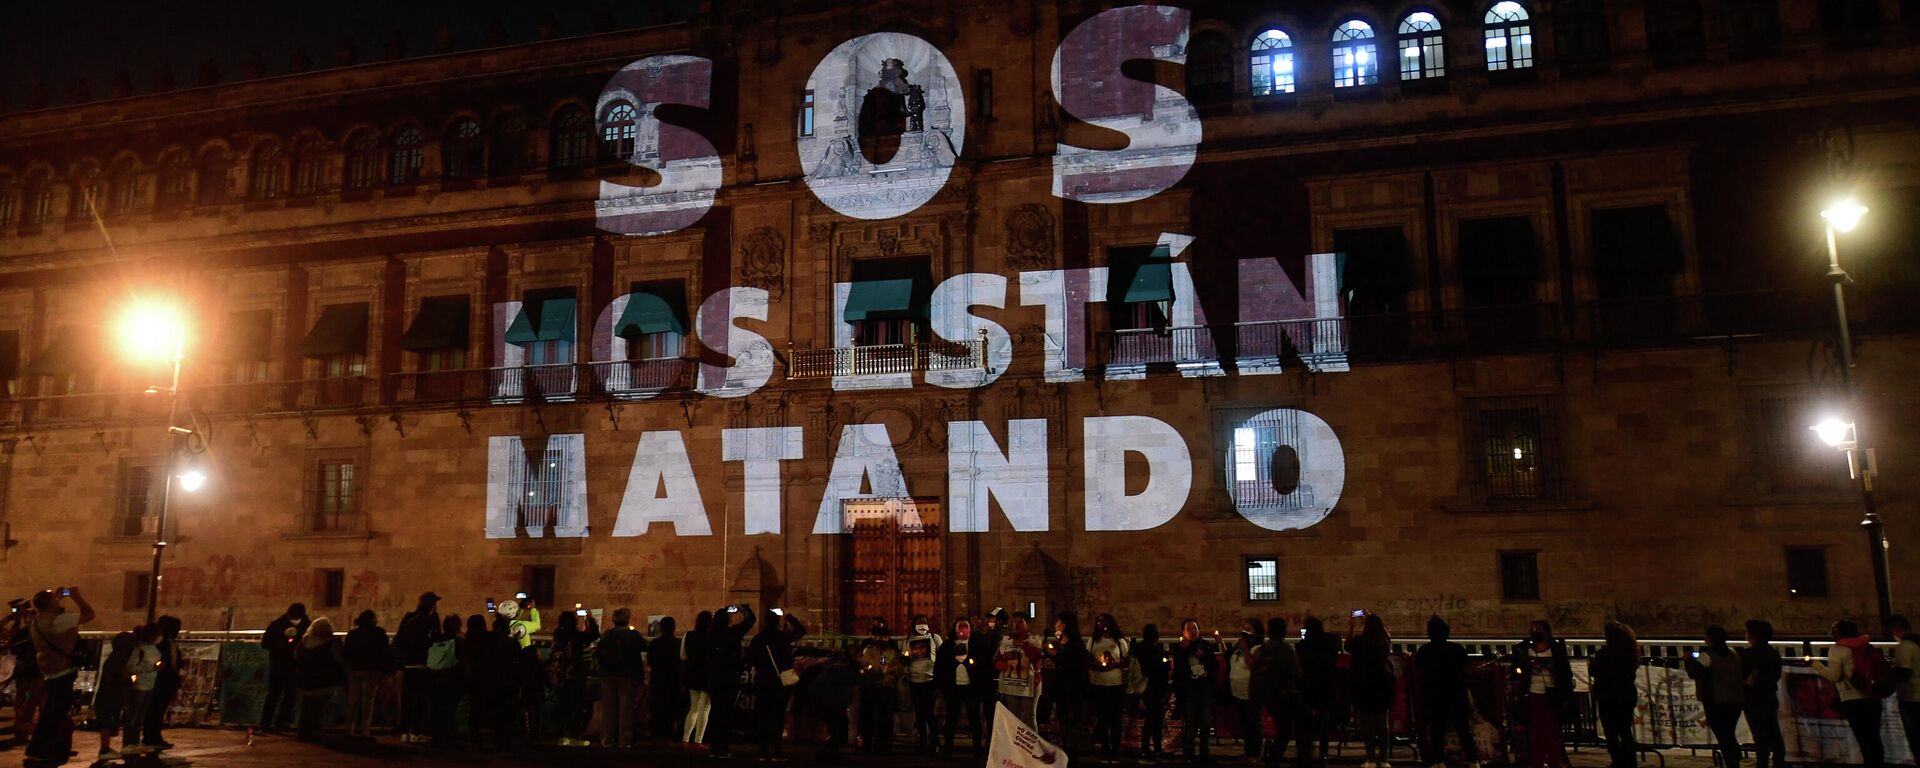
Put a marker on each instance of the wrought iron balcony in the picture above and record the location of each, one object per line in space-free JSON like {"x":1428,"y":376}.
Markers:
{"x":913,"y":356}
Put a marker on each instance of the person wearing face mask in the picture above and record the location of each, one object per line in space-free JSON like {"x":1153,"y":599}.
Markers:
{"x":1016,"y":660}
{"x":880,"y":668}
{"x":1541,"y":666}
{"x":922,"y":645}
{"x":1195,"y":661}
{"x":1107,"y":655}
{"x":956,"y":670}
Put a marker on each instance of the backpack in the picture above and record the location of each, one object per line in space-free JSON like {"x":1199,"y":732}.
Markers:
{"x":1872,"y":673}
{"x":443,"y":655}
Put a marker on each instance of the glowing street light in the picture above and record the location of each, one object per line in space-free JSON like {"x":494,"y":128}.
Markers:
{"x":158,"y":331}
{"x":1834,"y":432}
{"x":1844,"y":214}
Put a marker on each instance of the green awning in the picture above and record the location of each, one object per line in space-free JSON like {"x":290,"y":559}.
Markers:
{"x":546,"y":317}
{"x":885,"y":289}
{"x":1139,"y":275}
{"x":650,"y":312}
{"x":72,"y":350}
{"x":341,"y":330}
{"x":442,"y":323}
{"x":247,"y":337}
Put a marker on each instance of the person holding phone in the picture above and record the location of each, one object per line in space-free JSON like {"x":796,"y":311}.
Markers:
{"x":731,"y":625}
{"x":56,"y":649}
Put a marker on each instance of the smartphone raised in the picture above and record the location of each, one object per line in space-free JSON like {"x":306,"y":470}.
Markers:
{"x":779,"y":612}
{"x":1360,"y":613}
{"x":521,"y":596}
{"x":66,"y":591}
{"x":581,"y":612}
{"x":492,"y":607}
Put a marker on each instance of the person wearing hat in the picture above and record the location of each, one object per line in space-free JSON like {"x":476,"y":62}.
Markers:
{"x":417,"y":633}
{"x":880,"y":669}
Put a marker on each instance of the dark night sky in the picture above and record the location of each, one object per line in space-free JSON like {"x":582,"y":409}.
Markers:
{"x":57,"y":42}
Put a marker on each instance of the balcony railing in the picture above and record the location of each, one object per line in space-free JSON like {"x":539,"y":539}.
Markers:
{"x":875,"y":359}
{"x":624,"y":378}
{"x":539,"y":383}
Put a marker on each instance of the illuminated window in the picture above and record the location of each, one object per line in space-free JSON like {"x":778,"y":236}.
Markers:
{"x":1807,"y":572}
{"x":406,"y":156}
{"x":309,"y":167}
{"x":268,"y":178}
{"x":139,"y":508}
{"x":509,"y":155}
{"x":1355,"y":61}
{"x":1210,"y":68}
{"x":335,"y":504}
{"x":464,"y":155}
{"x":542,"y":484}
{"x":617,"y":131}
{"x":1265,"y":469}
{"x":1246,"y":462}
{"x":1272,"y":63}
{"x":1423,"y":52}
{"x":1520,"y":576}
{"x":213,"y":176}
{"x":572,"y":140}
{"x":365,"y":160}
{"x":1263,"y":579}
{"x":806,"y":112}
{"x":1514,"y":450}
{"x":1509,"y":37}
{"x":176,"y":181}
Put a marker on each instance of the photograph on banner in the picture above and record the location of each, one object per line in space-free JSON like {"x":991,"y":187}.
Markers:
{"x":1815,"y":730}
{"x":1014,"y":745}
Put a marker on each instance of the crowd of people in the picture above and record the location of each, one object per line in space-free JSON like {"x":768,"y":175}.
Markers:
{"x":1088,"y":688}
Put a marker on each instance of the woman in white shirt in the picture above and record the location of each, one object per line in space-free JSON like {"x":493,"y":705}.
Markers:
{"x":1861,"y":708}
{"x":1106,"y":671}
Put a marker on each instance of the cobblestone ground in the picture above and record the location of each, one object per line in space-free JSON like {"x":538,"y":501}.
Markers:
{"x":231,"y":748}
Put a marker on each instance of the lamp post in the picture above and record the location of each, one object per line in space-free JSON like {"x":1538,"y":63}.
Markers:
{"x":148,"y":331}
{"x":1841,"y":217}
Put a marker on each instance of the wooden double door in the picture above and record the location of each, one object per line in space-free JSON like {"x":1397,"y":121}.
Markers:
{"x":894,"y":563}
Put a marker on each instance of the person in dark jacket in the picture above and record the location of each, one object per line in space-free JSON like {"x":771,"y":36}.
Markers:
{"x":1066,"y":681}
{"x":1319,"y":653}
{"x":281,"y":640}
{"x":1195,"y":665}
{"x":448,"y":685}
{"x":695,"y":649}
{"x":418,"y":631}
{"x":730,"y":627}
{"x":1443,"y":687}
{"x":956,"y":668}
{"x":1541,"y":664}
{"x":1761,"y":663}
{"x":320,"y":671}
{"x":1722,"y":688}
{"x":1276,"y":683}
{"x":166,"y":689}
{"x":566,"y":674}
{"x":771,"y":653}
{"x":620,"y":658}
{"x":1372,"y":690}
{"x":488,"y":661}
{"x":831,"y":690}
{"x":1614,"y":671}
{"x":880,"y":672}
{"x":1155,"y":666}
{"x":666,"y":703}
{"x":369,"y":659}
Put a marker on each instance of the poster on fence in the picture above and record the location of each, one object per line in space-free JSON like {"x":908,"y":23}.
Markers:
{"x":1015,"y":745}
{"x":1816,"y":732}
{"x":243,"y":683}
{"x":199,"y":681}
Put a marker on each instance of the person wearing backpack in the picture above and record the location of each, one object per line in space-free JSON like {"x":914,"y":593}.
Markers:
{"x":1906,"y":659}
{"x":1854,"y":666}
{"x":1720,"y":684}
{"x":418,"y":632}
{"x":620,"y":663}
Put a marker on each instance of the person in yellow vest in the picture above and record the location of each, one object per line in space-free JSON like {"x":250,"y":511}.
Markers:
{"x":523,"y":619}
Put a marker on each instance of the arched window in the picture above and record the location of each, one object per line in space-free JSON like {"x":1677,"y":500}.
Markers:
{"x":1509,"y":37}
{"x":364,"y":160}
{"x":1355,"y":61}
{"x":509,"y":154}
{"x":89,"y":192}
{"x":213,"y":175}
{"x":1271,"y":56}
{"x":1210,"y":68}
{"x":309,"y":167}
{"x":464,"y":156}
{"x":406,"y":156}
{"x":617,"y":130}
{"x":572,"y":138}
{"x":39,"y":197}
{"x":1423,"y":49}
{"x":176,"y":181}
{"x":268,"y":178}
{"x":125,"y":183}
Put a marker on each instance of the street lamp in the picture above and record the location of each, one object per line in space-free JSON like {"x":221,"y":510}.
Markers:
{"x":158,"y":332}
{"x":1841,"y":217}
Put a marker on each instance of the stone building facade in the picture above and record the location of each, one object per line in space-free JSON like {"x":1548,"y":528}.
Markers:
{"x":1567,"y":345}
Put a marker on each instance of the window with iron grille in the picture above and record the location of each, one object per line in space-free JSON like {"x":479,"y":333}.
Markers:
{"x":1423,"y":47}
{"x":1513,"y":450}
{"x":1265,"y":472}
{"x":1791,"y":458}
{"x":543,"y":484}
{"x":572,"y":136}
{"x":1263,"y":579}
{"x":1807,"y":572}
{"x":140,"y":493}
{"x":465,"y":154}
{"x":365,"y":161}
{"x":1509,"y":35}
{"x":332,"y":583}
{"x":406,"y":156}
{"x":617,"y":132}
{"x":1520,"y":575}
{"x":336,"y":504}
